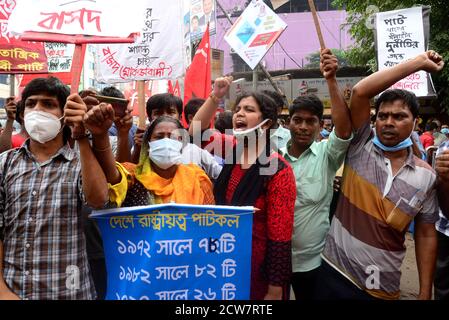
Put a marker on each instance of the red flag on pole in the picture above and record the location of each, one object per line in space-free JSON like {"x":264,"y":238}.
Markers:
{"x":174,"y":90}
{"x":197,"y":82}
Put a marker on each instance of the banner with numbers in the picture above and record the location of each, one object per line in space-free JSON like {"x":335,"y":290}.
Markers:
{"x":177,"y":252}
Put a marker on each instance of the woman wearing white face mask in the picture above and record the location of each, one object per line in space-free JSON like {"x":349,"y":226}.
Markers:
{"x":255,"y":175}
{"x":159,"y":177}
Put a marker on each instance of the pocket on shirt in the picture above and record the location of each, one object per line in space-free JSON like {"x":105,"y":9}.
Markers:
{"x":311,"y":190}
{"x":404,"y":212}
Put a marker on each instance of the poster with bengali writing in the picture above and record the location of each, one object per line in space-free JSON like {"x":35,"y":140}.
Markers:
{"x":158,"y":53}
{"x":107,"y":18}
{"x":254,"y":32}
{"x":400,"y":37}
{"x":18,"y":56}
{"x":177,"y":252}
{"x":59,"y":56}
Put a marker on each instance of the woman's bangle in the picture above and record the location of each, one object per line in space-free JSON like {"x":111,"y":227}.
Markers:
{"x":214,"y":98}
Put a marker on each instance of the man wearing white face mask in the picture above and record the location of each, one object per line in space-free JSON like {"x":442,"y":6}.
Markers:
{"x":42,"y":186}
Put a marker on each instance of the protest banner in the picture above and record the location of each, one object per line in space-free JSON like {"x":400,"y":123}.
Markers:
{"x":254,"y":32}
{"x":95,"y":18}
{"x":18,"y":56}
{"x":401,"y":36}
{"x":157,"y":54}
{"x":177,"y":252}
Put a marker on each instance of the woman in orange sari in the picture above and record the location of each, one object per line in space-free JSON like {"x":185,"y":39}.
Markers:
{"x":159,"y":177}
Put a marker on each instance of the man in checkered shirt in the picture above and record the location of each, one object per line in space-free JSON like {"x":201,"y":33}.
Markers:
{"x":42,"y":187}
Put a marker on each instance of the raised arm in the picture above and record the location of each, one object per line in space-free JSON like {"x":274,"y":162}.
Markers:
{"x":123,"y":125}
{"x":98,"y":120}
{"x":95,"y":187}
{"x":379,"y":81}
{"x":5,"y":136}
{"x":207,"y":111}
{"x":341,"y":116}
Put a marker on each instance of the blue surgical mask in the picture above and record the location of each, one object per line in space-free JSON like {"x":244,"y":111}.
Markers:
{"x":400,"y":146}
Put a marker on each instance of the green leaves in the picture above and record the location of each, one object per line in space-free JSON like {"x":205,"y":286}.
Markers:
{"x":363,"y":51}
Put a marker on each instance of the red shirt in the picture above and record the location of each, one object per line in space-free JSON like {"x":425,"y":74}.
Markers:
{"x":17,"y":140}
{"x":427,"y":139}
{"x":272,"y":230}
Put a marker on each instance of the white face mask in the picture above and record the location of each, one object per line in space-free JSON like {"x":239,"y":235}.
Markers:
{"x":42,"y":126}
{"x":243,"y":133}
{"x":165,"y":152}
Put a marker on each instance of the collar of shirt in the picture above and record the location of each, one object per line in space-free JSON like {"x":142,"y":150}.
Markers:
{"x":65,"y":151}
{"x":312,"y":148}
{"x":410,"y":161}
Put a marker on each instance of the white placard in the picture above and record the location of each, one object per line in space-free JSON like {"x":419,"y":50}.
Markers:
{"x":254,"y":32}
{"x":110,"y":18}
{"x":59,"y":56}
{"x":157,"y":54}
{"x":400,"y":36}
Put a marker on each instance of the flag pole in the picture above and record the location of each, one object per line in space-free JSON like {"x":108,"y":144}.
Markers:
{"x":141,"y":103}
{"x":317,"y":23}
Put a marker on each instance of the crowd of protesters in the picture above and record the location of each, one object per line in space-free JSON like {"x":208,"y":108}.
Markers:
{"x":322,"y":237}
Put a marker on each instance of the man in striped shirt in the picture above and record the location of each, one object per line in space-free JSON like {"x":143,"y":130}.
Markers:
{"x":385,"y":187}
{"x":42,"y":187}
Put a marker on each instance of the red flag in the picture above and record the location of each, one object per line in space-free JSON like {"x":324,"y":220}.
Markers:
{"x":174,"y":90}
{"x":197,"y":82}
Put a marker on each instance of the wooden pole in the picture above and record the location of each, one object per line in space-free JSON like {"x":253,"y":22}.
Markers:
{"x":77,"y":66}
{"x":317,"y":23}
{"x":141,"y":103}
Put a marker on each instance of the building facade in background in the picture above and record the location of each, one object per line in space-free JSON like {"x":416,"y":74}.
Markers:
{"x":297,"y":42}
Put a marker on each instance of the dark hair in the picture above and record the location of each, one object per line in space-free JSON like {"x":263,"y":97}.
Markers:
{"x":431,"y":126}
{"x":224,"y":121}
{"x":407,"y":97}
{"x":192,"y":107}
{"x":277,"y":97}
{"x":158,"y":120}
{"x":310,"y":103}
{"x":51,"y":86}
{"x":163,"y":101}
{"x":112,"y":92}
{"x":266,"y":104}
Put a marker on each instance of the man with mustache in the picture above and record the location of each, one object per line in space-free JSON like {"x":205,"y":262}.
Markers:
{"x":314,"y":164}
{"x":384,"y":188}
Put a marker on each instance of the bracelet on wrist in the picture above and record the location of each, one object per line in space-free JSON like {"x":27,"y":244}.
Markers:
{"x":214,"y":98}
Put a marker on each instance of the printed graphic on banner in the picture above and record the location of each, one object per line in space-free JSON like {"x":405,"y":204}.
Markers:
{"x":177,"y":252}
{"x":59,"y":56}
{"x":202,"y":12}
{"x":108,"y":18}
{"x":18,"y":56}
{"x":157,"y":54}
{"x":400,"y":36}
{"x":254,"y":32}
{"x":6,"y":8}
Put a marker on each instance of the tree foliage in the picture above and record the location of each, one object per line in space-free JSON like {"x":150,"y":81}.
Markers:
{"x":360,"y":15}
{"x":314,"y":59}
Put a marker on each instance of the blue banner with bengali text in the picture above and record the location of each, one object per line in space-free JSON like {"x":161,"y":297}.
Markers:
{"x":177,"y":252}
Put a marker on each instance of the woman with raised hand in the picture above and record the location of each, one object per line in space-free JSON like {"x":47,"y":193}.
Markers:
{"x":159,"y":177}
{"x":255,"y":175}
